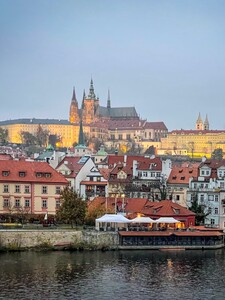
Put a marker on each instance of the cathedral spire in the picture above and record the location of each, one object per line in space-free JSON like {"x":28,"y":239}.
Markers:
{"x":91,"y":94}
{"x":108,"y":100}
{"x":74,"y":95}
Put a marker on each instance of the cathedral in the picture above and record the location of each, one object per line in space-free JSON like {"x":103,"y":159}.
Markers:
{"x":91,"y":110}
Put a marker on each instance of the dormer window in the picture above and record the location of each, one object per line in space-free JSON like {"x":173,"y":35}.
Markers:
{"x":21,"y":174}
{"x":38,"y":174}
{"x":5,"y":173}
{"x":47,"y":175}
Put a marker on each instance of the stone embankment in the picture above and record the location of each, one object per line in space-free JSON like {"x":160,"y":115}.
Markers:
{"x":15,"y":240}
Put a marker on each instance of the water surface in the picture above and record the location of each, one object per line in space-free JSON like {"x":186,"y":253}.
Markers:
{"x":113,"y":275}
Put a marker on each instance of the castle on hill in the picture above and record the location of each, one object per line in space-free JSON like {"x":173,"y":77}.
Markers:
{"x":115,"y":125}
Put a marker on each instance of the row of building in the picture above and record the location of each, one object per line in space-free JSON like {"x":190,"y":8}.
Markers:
{"x":34,"y":186}
{"x":119,"y":127}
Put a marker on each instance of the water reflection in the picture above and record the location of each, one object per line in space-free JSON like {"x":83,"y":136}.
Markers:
{"x":116,"y":275}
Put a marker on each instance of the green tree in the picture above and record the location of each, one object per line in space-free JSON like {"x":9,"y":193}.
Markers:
{"x":150,"y":150}
{"x":199,"y":210}
{"x":72,"y":208}
{"x":42,"y":136}
{"x":28,"y":139}
{"x":54,"y":139}
{"x":217,"y":154}
{"x":3,"y":135}
{"x":97,"y":212}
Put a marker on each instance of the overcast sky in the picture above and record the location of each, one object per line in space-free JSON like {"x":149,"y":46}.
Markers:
{"x":166,"y":58}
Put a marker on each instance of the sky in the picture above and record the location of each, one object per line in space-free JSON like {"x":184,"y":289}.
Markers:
{"x":166,"y":58}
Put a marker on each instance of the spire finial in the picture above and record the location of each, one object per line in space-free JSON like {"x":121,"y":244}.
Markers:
{"x":91,"y":91}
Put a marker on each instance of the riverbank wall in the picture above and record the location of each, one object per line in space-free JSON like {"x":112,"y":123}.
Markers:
{"x":14,"y":240}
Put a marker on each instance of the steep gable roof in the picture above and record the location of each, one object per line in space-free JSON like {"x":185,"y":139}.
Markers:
{"x":33,"y":172}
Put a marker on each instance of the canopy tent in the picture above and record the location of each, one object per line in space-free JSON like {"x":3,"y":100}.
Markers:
{"x":113,"y":219}
{"x":168,"y":220}
{"x":142,"y":220}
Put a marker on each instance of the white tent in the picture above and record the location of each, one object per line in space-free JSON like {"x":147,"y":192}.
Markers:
{"x":142,"y":220}
{"x":168,"y":220}
{"x":112,"y":219}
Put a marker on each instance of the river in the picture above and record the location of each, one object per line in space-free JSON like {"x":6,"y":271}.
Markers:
{"x":113,"y":275}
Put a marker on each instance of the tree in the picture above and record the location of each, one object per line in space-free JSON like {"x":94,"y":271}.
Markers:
{"x":72,"y":208}
{"x":27,"y":138}
{"x":96,"y":212}
{"x":54,"y":140}
{"x":3,"y":135}
{"x":42,"y":136}
{"x":150,"y":150}
{"x":199,"y":210}
{"x":217,"y":154}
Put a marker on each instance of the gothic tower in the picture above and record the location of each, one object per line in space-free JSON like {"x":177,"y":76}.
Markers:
{"x":199,"y":123}
{"x":74,"y":113}
{"x":89,"y":106}
{"x":206,"y":123}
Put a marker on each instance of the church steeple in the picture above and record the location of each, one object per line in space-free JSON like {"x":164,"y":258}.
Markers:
{"x":199,"y":123}
{"x":108,"y":101}
{"x":74,"y":95}
{"x":91,"y":94}
{"x":206,"y":123}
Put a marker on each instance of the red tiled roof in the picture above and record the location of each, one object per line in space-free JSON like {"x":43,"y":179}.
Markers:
{"x":199,"y":132}
{"x":181,"y":175}
{"x":155,"y":125}
{"x":165,"y":208}
{"x":114,"y":159}
{"x":30,"y":169}
{"x":104,"y":172}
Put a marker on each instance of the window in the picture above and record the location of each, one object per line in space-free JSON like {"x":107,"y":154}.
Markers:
{"x":222,"y":185}
{"x":177,"y":197}
{"x":211,"y":197}
{"x":128,"y":136}
{"x":38,"y":174}
{"x":47,"y":175}
{"x":212,"y":221}
{"x":216,"y":211}
{"x":21,"y":174}
{"x":98,"y":179}
{"x":5,"y":173}
{"x":216,"y":198}
{"x":5,"y":188}
{"x":17,"y":189}
{"x":27,"y":203}
{"x":144,"y":174}
{"x":27,"y":189}
{"x":6,"y":203}
{"x":120,"y":136}
{"x":44,"y":203}
{"x":57,"y":203}
{"x":57,"y":190}
{"x":17,"y":202}
{"x":44,"y":189}
{"x":202,"y":197}
{"x":152,"y":174}
{"x":210,"y":210}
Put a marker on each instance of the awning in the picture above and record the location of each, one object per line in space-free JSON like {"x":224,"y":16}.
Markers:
{"x":168,"y":220}
{"x":142,"y":220}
